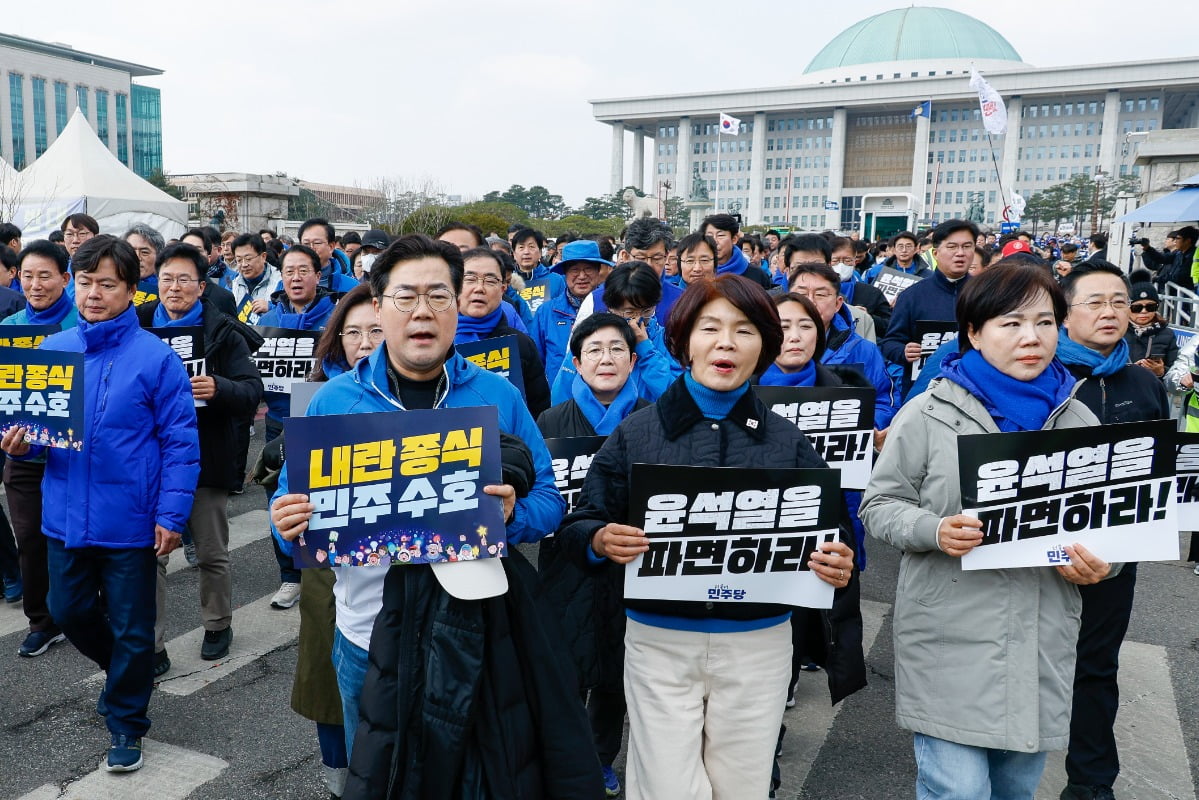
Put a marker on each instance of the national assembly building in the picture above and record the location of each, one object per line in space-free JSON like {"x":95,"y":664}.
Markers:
{"x":842,"y":149}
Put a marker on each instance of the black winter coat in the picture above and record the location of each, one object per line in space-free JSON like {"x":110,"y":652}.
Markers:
{"x":537,"y":388}
{"x":674,"y":431}
{"x":1134,"y":394}
{"x":1157,"y":341}
{"x":466,"y":700}
{"x":876,"y":305}
{"x":589,"y":601}
{"x":227,"y":348}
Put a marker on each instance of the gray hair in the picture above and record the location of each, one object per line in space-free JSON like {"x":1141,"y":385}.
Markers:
{"x":149,"y":234}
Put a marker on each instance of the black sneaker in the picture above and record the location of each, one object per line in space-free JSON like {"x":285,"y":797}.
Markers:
{"x":124,"y":754}
{"x":14,"y":589}
{"x":162,"y":663}
{"x":38,"y":642}
{"x":216,"y":644}
{"x":1077,"y":791}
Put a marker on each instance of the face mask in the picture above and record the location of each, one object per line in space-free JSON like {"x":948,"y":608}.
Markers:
{"x":366,"y":261}
{"x":845,"y":271}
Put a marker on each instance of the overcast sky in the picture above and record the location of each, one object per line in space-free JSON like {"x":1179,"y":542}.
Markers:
{"x":480,"y":95}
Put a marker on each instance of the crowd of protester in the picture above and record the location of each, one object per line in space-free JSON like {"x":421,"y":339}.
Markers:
{"x":654,"y":341}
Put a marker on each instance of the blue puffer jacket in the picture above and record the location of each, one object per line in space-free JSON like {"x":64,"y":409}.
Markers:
{"x":846,"y":346}
{"x":364,"y":389}
{"x":141,"y":459}
{"x":652,"y":374}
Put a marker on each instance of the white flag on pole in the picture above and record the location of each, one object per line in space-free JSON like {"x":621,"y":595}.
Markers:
{"x":729,"y":126}
{"x":1016,"y":207}
{"x":994,"y":111}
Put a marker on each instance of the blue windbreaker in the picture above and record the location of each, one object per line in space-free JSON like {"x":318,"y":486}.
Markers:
{"x":364,"y":389}
{"x":141,"y":457}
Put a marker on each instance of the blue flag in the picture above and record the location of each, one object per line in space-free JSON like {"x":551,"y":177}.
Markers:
{"x":925,"y":109}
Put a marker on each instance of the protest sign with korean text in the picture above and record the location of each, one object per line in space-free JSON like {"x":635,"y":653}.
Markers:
{"x":1187,"y":480}
{"x":838,"y":420}
{"x":286,"y":357}
{"x":571,"y":458}
{"x":731,"y":534}
{"x":892,"y":282}
{"x":535,"y":293}
{"x":500,"y":355}
{"x":42,"y":391}
{"x":188,"y":344}
{"x":1109,"y":488}
{"x":931,"y":334}
{"x":26,"y":336}
{"x":402,"y":487}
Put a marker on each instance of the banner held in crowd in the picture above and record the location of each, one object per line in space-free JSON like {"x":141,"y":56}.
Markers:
{"x":500,"y":355}
{"x":838,"y":420}
{"x":931,"y":334}
{"x":891,"y":282}
{"x":1187,"y":480}
{"x":571,"y":457}
{"x":188,"y":344}
{"x":1109,"y":488}
{"x":535,"y":293}
{"x":42,"y":391}
{"x":26,"y":336}
{"x":731,"y":535}
{"x":286,"y":357}
{"x":403,"y":487}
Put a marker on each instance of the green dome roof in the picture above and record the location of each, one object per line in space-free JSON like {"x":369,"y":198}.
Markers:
{"x":914,"y":34}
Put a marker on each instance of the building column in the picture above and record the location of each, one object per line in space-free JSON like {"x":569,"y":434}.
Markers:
{"x":757,"y":171}
{"x":920,"y":185}
{"x":1111,"y":134}
{"x":836,"y":168}
{"x":616,"y":179}
{"x":1011,"y":145}
{"x":638,"y":180}
{"x":682,"y":170}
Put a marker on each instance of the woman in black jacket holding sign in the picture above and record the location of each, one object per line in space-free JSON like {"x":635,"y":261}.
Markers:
{"x":705,"y":682}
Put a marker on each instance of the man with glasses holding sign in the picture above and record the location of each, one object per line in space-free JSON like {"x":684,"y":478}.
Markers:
{"x":1093,"y":347}
{"x":229,"y":390}
{"x":932,"y":299}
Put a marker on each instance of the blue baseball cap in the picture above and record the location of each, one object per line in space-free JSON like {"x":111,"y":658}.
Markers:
{"x":579,"y":250}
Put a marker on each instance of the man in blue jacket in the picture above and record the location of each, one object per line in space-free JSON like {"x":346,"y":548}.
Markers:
{"x":584,"y":269}
{"x":934,"y":298}
{"x":320,"y":236}
{"x":123,"y":499}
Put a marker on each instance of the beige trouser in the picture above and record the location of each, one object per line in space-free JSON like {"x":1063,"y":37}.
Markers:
{"x":209,"y":523}
{"x":704,"y":711}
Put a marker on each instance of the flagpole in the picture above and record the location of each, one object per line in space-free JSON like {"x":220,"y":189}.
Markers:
{"x":1003,"y":199}
{"x":717,"y":208}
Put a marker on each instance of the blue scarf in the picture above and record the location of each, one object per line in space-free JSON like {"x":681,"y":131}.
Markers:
{"x":53,"y":314}
{"x":472,"y":329}
{"x":304,"y":319}
{"x":148,"y":284}
{"x":1071,"y":352}
{"x":194,"y":317}
{"x":1015,"y":405}
{"x":603,"y":419}
{"x":773,"y":376}
{"x":736,"y":265}
{"x":712,"y":403}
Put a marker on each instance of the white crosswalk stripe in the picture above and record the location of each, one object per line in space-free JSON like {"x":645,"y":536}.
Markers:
{"x":169,"y":773}
{"x":1153,"y":755}
{"x":257,"y":630}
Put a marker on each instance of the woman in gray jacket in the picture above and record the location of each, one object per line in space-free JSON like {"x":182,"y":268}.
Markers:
{"x":983,"y":659}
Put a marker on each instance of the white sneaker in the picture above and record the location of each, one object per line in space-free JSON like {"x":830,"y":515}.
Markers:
{"x":287,"y":596}
{"x":1197,"y":568}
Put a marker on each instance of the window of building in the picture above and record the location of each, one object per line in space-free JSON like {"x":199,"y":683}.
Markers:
{"x":39,"y":117}
{"x":1093,"y":107}
{"x":81,"y":100}
{"x":1154,"y":104}
{"x":1129,"y":105}
{"x":1057,"y":109}
{"x":16,"y":89}
{"x":60,"y":106}
{"x":146,"y":105}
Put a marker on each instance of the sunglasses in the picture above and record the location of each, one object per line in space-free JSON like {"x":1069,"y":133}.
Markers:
{"x":1142,"y":308}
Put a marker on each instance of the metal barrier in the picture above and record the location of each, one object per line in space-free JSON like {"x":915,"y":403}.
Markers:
{"x":1180,"y":307}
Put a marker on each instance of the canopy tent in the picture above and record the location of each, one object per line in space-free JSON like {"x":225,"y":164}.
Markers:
{"x":1178,"y":206}
{"x":79,"y":174}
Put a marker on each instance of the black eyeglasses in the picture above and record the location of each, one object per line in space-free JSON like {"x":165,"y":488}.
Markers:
{"x":1142,"y":308}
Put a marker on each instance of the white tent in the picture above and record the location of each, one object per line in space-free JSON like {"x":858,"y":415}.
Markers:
{"x":79,"y":174}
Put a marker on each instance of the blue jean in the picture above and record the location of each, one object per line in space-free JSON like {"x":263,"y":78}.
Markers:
{"x":350,"y":663}
{"x":123,"y":644}
{"x":952,"y":771}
